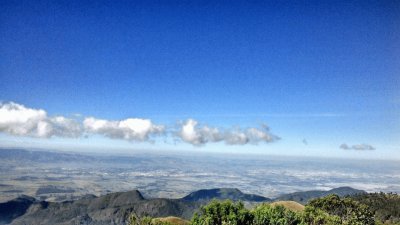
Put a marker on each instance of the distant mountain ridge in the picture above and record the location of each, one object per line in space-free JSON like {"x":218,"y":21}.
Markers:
{"x":304,"y":196}
{"x":233,"y":194}
{"x":115,"y":208}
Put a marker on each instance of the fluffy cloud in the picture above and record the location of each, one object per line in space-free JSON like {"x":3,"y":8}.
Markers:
{"x":191,"y":133}
{"x":132,"y":129}
{"x":360,"y":147}
{"x":18,"y":120}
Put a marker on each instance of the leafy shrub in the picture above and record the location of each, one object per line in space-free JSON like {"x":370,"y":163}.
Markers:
{"x":385,"y":206}
{"x":223,"y":213}
{"x":349,"y":212}
{"x":265,"y":214}
{"x":315,"y":216}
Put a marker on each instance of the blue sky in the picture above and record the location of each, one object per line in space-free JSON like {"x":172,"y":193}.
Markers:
{"x":319,"y":74}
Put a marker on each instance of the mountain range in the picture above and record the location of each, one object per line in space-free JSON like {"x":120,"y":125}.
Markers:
{"x":115,"y":208}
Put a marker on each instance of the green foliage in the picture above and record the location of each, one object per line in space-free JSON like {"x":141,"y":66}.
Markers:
{"x":385,"y":206}
{"x":266,"y":214}
{"x":349,"y":211}
{"x":329,"y":210}
{"x":223,"y":213}
{"x":315,"y":216}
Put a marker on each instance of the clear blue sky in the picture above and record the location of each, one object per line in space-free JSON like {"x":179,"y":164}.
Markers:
{"x":320,"y":74}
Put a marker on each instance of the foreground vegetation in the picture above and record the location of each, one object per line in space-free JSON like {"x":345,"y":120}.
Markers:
{"x":385,"y":206}
{"x":366,"y":209}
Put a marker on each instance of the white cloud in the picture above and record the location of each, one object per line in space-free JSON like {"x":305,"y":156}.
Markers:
{"x":65,"y":127}
{"x":18,"y":120}
{"x":197,"y":136}
{"x":236,"y":137}
{"x":132,"y":129}
{"x":191,"y":133}
{"x":359,"y":147}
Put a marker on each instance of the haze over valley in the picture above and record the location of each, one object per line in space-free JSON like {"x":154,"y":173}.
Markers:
{"x":59,"y":176}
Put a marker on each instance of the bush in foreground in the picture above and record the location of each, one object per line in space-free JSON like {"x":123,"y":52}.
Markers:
{"x":225,"y":212}
{"x":385,"y":206}
{"x":345,"y":211}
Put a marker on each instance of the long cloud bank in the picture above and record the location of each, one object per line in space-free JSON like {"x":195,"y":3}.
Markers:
{"x":18,"y":120}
